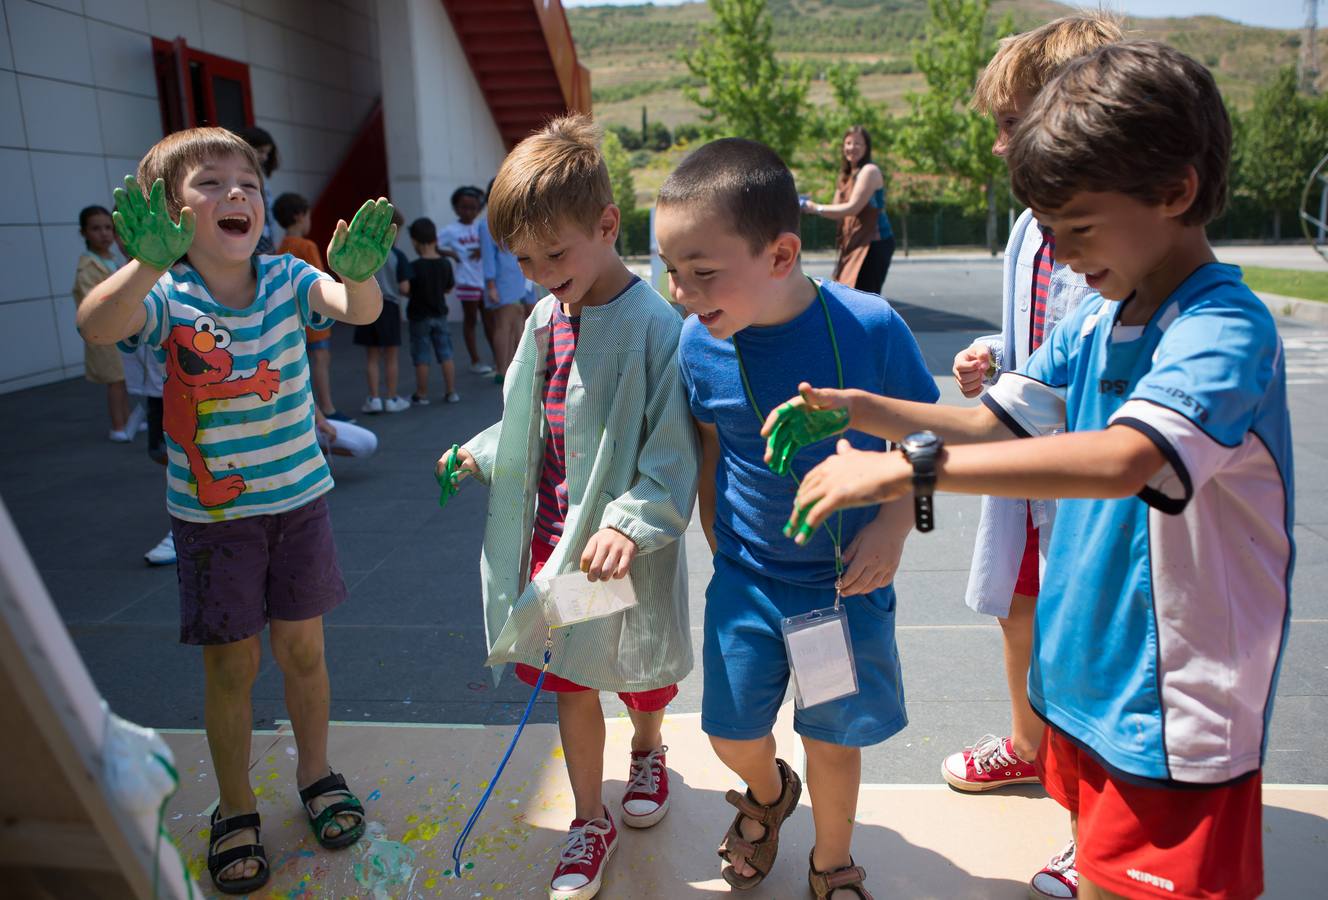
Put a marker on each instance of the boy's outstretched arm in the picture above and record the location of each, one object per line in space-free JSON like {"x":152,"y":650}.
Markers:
{"x":796,"y":423}
{"x":356,"y":252}
{"x":1114,"y":463}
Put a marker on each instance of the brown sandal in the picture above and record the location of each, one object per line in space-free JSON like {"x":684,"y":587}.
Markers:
{"x":823,"y":884}
{"x":759,"y":853}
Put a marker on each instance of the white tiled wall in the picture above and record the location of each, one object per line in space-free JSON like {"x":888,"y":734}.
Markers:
{"x":78,"y":107}
{"x":439,"y":133}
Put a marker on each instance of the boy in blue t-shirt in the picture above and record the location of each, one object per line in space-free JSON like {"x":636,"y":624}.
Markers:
{"x":245,"y":476}
{"x":727,"y":225}
{"x":1165,"y":609}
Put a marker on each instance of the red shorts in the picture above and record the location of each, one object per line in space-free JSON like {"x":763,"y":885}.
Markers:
{"x":1027,"y":584}
{"x":1157,"y":841}
{"x":641,"y":701}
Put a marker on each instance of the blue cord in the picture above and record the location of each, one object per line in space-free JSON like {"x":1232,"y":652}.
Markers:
{"x":525,"y":717}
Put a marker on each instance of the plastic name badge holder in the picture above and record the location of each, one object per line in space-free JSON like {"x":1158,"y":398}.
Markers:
{"x":820,"y":656}
{"x":572,"y":597}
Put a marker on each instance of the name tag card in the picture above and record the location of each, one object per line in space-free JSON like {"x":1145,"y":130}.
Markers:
{"x":571,"y":598}
{"x":820,"y":656}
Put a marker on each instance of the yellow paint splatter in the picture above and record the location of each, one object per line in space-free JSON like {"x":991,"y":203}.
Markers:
{"x":557,"y":753}
{"x":425,"y":832}
{"x":431,"y":883}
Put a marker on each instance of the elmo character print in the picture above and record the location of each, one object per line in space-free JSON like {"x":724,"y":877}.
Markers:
{"x":198,"y":369}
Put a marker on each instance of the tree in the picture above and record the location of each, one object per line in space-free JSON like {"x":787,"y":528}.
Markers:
{"x":1277,"y":144}
{"x":620,"y":177}
{"x":748,"y":93}
{"x":942,"y":135}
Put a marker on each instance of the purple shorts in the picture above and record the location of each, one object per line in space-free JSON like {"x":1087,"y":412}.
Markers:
{"x":236,"y":575}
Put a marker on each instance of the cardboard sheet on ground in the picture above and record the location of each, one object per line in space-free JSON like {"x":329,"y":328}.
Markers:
{"x":419,"y":783}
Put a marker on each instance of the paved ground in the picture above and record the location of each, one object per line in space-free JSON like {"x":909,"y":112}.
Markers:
{"x":408,"y":646}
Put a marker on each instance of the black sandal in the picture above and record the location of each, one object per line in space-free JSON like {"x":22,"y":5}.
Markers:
{"x":219,"y":862}
{"x":333,"y":783}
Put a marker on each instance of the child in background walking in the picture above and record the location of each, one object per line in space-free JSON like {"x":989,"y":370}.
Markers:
{"x":426,"y":313}
{"x":382,"y":338}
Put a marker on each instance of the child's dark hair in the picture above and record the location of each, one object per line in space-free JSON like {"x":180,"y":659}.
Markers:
{"x":87,"y":213}
{"x":1129,"y":118}
{"x":746,"y":181}
{"x":259,"y":137}
{"x":423,"y":231}
{"x":467,"y":190}
{"x":287,"y":208}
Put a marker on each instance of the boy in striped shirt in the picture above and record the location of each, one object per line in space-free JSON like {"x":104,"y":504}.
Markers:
{"x":245,"y":476}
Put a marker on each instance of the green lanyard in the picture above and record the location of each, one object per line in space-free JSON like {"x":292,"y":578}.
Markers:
{"x":837,"y":536}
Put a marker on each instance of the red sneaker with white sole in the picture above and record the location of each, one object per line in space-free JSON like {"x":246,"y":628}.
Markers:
{"x":647,"y":797}
{"x":988,"y":764}
{"x":1058,"y":880}
{"x":590,"y":843}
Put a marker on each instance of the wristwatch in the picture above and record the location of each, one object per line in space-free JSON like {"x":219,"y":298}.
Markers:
{"x":921,"y":449}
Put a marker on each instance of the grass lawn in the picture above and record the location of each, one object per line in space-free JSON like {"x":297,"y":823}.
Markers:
{"x":1288,"y":282}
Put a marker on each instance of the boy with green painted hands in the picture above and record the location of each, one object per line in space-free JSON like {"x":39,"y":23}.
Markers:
{"x":245,"y":475}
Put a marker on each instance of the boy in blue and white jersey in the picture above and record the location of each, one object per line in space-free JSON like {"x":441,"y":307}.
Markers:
{"x":246,"y":478}
{"x":1166,"y":602}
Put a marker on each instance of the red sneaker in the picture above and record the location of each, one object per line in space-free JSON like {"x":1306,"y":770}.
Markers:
{"x":988,"y":764}
{"x":647,"y":797}
{"x":590,"y":843}
{"x":1058,"y":880}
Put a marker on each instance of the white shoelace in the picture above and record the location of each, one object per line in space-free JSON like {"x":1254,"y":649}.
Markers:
{"x":579,"y":848}
{"x":645,"y":772}
{"x":989,"y":753}
{"x":1064,"y":863}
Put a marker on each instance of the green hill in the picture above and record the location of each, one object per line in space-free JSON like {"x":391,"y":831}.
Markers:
{"x":632,"y":50}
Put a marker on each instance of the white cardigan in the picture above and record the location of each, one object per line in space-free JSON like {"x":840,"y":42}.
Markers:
{"x":999,"y":546}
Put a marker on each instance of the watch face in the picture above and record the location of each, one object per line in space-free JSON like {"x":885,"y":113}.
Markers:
{"x":920,"y":441}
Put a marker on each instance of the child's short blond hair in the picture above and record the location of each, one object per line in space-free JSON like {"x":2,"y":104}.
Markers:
{"x":1025,"y":62}
{"x":175,"y":154}
{"x":556,"y":176}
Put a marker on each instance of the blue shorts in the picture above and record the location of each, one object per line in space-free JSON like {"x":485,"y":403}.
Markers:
{"x":426,"y":334}
{"x":746,"y":668}
{"x":324,"y":344}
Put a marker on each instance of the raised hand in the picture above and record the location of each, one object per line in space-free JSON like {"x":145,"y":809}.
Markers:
{"x":806,"y":419}
{"x":359,"y":250}
{"x":145,"y":227}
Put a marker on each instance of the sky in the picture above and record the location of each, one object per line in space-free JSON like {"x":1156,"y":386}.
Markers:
{"x":1269,"y":13}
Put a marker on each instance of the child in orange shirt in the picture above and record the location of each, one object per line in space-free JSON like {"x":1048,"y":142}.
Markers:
{"x":292,"y":213}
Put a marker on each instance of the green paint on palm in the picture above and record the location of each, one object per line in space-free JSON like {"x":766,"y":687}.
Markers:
{"x":360,"y":250}
{"x":145,"y":227}
{"x":798,"y":425}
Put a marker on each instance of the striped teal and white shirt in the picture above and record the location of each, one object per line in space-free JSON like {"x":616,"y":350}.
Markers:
{"x":238,"y":413}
